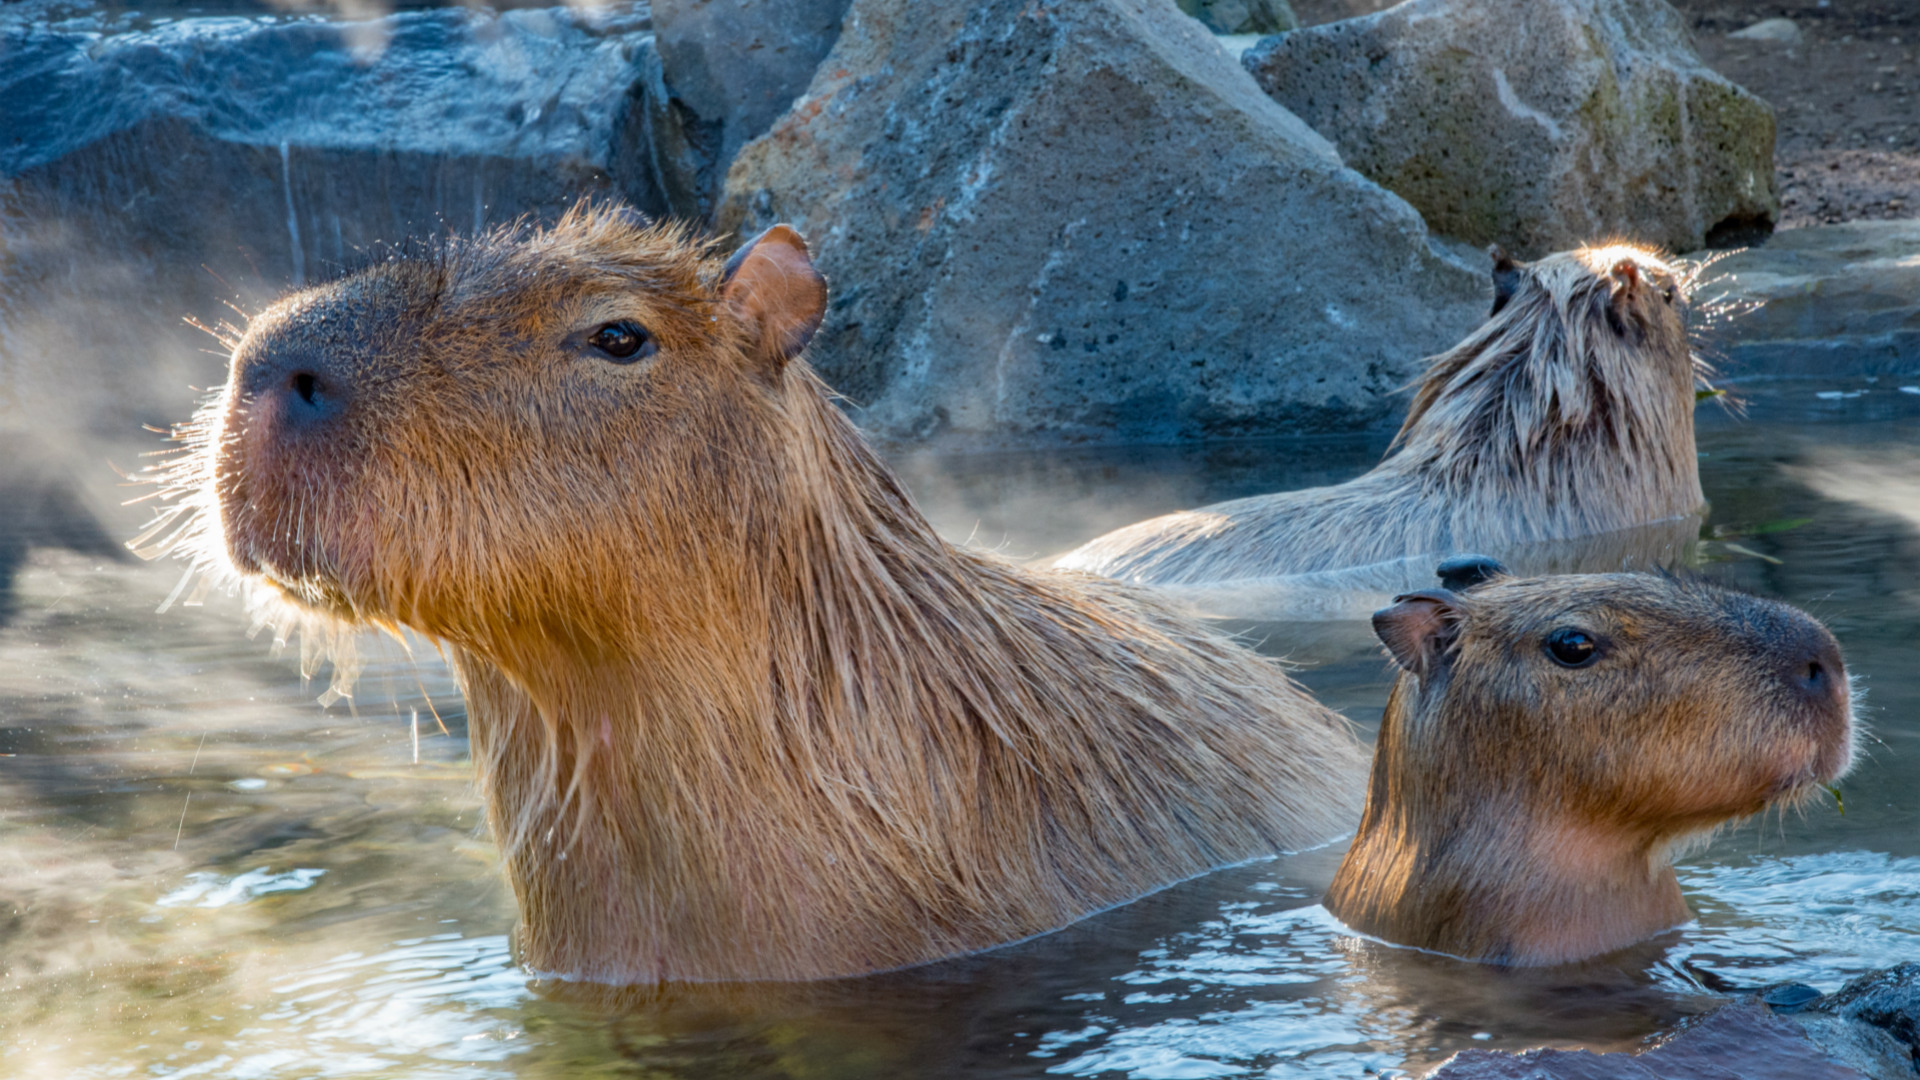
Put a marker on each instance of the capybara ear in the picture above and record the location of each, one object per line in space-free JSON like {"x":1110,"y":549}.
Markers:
{"x":1506,"y":278}
{"x":1463,"y":572}
{"x":1419,"y":630}
{"x":772,"y":288}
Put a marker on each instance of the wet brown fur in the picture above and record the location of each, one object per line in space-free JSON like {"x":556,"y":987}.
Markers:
{"x":1569,"y":413}
{"x":1527,"y":813}
{"x":738,"y":712}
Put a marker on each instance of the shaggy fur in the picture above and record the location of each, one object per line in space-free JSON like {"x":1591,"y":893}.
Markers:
{"x":1568,"y":413}
{"x":1524,"y":812}
{"x":738,"y":712}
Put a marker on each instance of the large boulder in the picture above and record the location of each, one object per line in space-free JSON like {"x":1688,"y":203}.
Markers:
{"x":1537,"y":124}
{"x":733,"y":66}
{"x":1081,"y":220}
{"x":159,"y":170}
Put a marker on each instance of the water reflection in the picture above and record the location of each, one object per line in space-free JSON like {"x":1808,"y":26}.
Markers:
{"x":203,"y":873}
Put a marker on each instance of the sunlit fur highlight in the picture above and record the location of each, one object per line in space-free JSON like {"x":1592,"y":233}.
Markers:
{"x":1525,"y":813}
{"x":1568,"y":413}
{"x":737,"y":711}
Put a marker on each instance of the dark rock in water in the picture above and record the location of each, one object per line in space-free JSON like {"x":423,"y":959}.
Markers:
{"x":1889,"y":1000}
{"x":1743,"y":1041}
{"x":154,"y":171}
{"x":1242,"y":16}
{"x":1536,"y":124}
{"x":1083,"y":221}
{"x":1789,"y":997}
{"x":733,"y":66}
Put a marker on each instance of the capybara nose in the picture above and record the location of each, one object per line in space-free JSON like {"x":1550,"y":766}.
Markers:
{"x":293,"y":387}
{"x":1817,"y":672}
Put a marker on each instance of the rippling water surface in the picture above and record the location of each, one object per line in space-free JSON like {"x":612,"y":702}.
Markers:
{"x":205,"y":874}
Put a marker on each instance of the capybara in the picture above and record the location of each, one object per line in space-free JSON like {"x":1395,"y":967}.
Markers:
{"x":1568,"y":413}
{"x":738,"y":712}
{"x":1550,"y":742}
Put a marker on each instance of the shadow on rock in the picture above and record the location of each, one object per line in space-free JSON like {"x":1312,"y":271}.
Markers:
{"x":42,"y":507}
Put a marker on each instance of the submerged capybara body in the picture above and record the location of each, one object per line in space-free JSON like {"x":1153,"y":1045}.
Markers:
{"x":738,"y":712}
{"x":1551,"y":741}
{"x":1568,"y":414}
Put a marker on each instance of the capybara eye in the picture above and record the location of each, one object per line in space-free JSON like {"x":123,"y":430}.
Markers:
{"x":625,"y":341}
{"x":1574,"y":648}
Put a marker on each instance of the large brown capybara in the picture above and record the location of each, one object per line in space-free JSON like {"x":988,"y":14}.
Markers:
{"x":738,"y":712}
{"x":1568,"y":414}
{"x":1551,"y":741}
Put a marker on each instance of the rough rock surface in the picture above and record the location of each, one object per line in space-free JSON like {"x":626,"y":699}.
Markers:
{"x":734,"y":66}
{"x":156,"y":171}
{"x":1743,"y":1041}
{"x":1537,"y":124}
{"x":1079,"y":219}
{"x":1833,"y":300}
{"x":1888,"y":1000}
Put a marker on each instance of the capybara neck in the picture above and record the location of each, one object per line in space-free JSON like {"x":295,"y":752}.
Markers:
{"x":1567,"y":414}
{"x":1551,"y":741}
{"x":737,"y":710}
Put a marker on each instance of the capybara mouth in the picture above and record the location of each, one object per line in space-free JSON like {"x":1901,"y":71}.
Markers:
{"x":278,"y":513}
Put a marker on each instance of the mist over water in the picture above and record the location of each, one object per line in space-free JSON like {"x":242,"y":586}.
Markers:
{"x":203,"y":873}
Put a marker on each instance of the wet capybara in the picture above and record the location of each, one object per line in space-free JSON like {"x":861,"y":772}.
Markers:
{"x":1551,"y":741}
{"x":738,"y":712}
{"x":1568,"y":413}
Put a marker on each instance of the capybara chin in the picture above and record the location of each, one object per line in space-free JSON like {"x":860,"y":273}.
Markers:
{"x":1551,"y":741}
{"x":1568,"y":413}
{"x":738,"y":712}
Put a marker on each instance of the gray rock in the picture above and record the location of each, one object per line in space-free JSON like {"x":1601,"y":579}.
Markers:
{"x":735,"y":65}
{"x":1080,"y":220}
{"x":1536,"y":124}
{"x":157,"y":171}
{"x":1242,"y":16}
{"x":1823,"y":302}
{"x":1779,"y":31}
{"x":1887,"y":999}
{"x":1867,"y":1050}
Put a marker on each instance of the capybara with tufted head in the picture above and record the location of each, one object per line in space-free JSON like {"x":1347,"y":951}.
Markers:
{"x":1568,"y":413}
{"x":738,"y":712}
{"x":1551,"y":741}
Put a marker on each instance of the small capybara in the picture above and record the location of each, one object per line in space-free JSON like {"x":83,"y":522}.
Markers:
{"x":1551,"y":741}
{"x":1568,"y":413}
{"x":738,"y":712}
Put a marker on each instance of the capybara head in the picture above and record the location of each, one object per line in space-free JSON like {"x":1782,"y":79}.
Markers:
{"x":1590,"y":338}
{"x":1558,"y":736}
{"x":464,"y":441}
